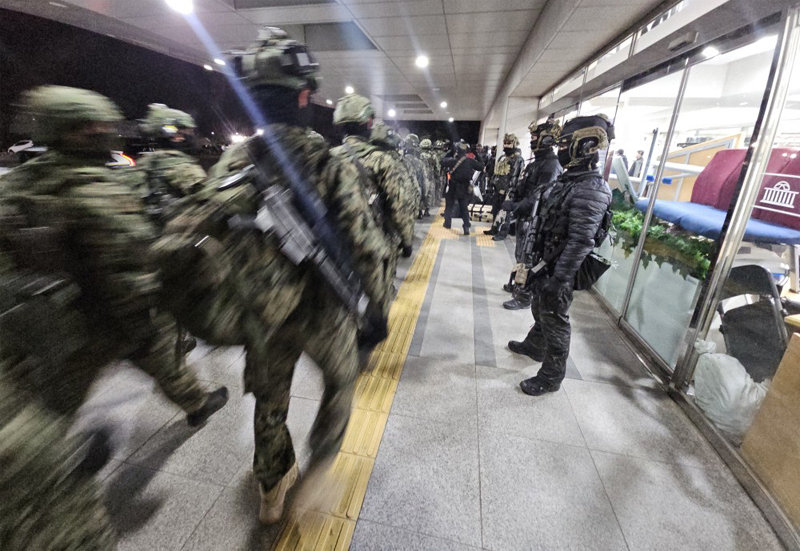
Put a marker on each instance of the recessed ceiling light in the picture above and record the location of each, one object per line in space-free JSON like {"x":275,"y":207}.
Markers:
{"x":451,"y":119}
{"x":710,"y":51}
{"x":184,"y":7}
{"x":349,"y":90}
{"x":56,"y":4}
{"x":329,"y":102}
{"x":422,"y":61}
{"x":744,"y":103}
{"x":219,"y":61}
{"x":208,"y":67}
{"x":443,"y":104}
{"x":391,"y":112}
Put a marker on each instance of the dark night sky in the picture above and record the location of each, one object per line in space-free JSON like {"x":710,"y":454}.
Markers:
{"x":36,"y":51}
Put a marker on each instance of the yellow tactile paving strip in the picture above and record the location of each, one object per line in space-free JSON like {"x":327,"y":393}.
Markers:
{"x":484,"y":241}
{"x":332,"y":528}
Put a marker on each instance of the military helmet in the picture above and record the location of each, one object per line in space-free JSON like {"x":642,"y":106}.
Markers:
{"x":384,"y":134}
{"x":425,"y":144}
{"x":353,"y":108}
{"x":164,"y":121}
{"x":412,"y":140}
{"x":511,"y":140}
{"x":582,"y":138}
{"x":55,"y":110}
{"x":275,"y":59}
{"x":439,"y":144}
{"x":546,"y":134}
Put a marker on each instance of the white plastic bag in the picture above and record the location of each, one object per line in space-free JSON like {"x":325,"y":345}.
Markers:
{"x":725,"y":391}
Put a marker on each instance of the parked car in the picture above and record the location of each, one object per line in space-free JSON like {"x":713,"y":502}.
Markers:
{"x":25,"y":149}
{"x":19,"y":146}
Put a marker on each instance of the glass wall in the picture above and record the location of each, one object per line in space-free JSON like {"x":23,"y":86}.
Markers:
{"x":717,"y":117}
{"x":641,"y":124}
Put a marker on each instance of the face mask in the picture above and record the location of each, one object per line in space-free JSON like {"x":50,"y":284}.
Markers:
{"x":534,"y":145}
{"x":508,"y":151}
{"x":563,"y":156}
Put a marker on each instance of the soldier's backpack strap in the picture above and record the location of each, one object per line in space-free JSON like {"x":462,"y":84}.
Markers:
{"x":376,"y":197}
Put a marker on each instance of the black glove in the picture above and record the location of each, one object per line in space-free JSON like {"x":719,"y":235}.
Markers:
{"x":96,"y":452}
{"x":374,"y":330}
{"x":507,"y":206}
{"x":407,"y":251}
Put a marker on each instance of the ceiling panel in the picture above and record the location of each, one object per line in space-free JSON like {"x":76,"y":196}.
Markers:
{"x":476,"y":40}
{"x":404,"y":26}
{"x":469,"y":6}
{"x":492,"y":22}
{"x":396,"y":9}
{"x":300,"y":14}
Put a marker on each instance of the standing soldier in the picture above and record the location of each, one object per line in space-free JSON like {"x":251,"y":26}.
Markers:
{"x":573,"y":213}
{"x":299,"y":245}
{"x":434,"y":168}
{"x":539,"y":175}
{"x":420,"y":168}
{"x":76,"y":234}
{"x":384,"y":138}
{"x":506,"y":173}
{"x":386,"y":178}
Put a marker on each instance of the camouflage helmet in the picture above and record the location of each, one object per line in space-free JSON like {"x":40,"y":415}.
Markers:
{"x":412,"y":140}
{"x":383,"y":134}
{"x":439,"y":144}
{"x":582,"y":138}
{"x":275,"y":59}
{"x":425,"y":144}
{"x":164,"y":121}
{"x":55,"y":110}
{"x":510,"y":139}
{"x":546,"y":134}
{"x":353,"y":108}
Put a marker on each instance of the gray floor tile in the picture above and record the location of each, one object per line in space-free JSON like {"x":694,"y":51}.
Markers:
{"x":232,"y":524}
{"x":370,"y":536}
{"x":126,"y":401}
{"x":637,"y":422}
{"x":670,"y":506}
{"x":307,"y":381}
{"x":156,"y":510}
{"x":426,"y":480}
{"x":504,"y":408}
{"x":212,"y":453}
{"x":541,"y":495}
{"x":602,"y":356}
{"x":224,"y":365}
{"x":437,"y":390}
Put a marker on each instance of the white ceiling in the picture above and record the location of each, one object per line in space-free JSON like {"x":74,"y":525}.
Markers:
{"x":472,"y":44}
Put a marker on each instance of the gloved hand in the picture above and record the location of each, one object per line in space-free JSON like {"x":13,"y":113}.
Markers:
{"x":407,"y":251}
{"x":507,"y":205}
{"x":96,"y":451}
{"x":374,"y":329}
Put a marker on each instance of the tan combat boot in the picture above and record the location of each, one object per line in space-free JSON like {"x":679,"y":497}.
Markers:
{"x":272,"y":500}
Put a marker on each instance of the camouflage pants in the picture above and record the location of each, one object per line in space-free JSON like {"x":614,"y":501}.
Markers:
{"x":46,"y":504}
{"x":64,"y":389}
{"x":551,"y":331}
{"x":432,"y":200}
{"x":423,"y":192}
{"x":327,"y":333}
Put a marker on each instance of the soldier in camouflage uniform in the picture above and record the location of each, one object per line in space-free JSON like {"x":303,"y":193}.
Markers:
{"x":280,"y":306}
{"x":72,"y":237}
{"x":385,"y":176}
{"x":504,"y":181}
{"x":50,"y":499}
{"x":419,"y":168}
{"x":434,"y":169}
{"x":384,"y":138}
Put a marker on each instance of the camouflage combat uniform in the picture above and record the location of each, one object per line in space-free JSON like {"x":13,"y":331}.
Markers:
{"x":64,"y":221}
{"x":434,"y":170}
{"x":47,"y":502}
{"x":387,"y":180}
{"x":418,"y":169}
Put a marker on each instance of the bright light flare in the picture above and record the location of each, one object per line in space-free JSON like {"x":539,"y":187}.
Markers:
{"x":184,"y":7}
{"x":219,"y":61}
{"x":329,"y":102}
{"x":422,"y":61}
{"x":710,"y":51}
{"x":260,"y":131}
{"x":443,"y":104}
{"x":237,"y":138}
{"x":349,"y":90}
{"x":208,"y":67}
{"x":451,"y":119}
{"x":392,"y":113}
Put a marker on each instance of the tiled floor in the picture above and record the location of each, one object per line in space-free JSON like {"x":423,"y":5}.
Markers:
{"x":466,"y":462}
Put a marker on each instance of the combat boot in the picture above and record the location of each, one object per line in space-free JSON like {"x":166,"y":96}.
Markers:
{"x":215,"y":401}
{"x":537,"y":387}
{"x":516,"y":304}
{"x":466,"y":230}
{"x":517,"y":347}
{"x":271,"y":509}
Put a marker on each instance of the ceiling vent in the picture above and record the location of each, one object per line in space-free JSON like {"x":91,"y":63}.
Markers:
{"x":336,"y":37}
{"x":418,"y":111}
{"x":402,"y":97}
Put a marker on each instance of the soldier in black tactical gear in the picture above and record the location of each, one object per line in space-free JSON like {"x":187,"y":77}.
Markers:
{"x":462,"y":168}
{"x":506,"y":174}
{"x":572,"y":214}
{"x":537,"y":178}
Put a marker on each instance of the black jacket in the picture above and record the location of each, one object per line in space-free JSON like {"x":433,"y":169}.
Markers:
{"x":544,"y":170}
{"x":461,"y":177}
{"x":572,"y":212}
